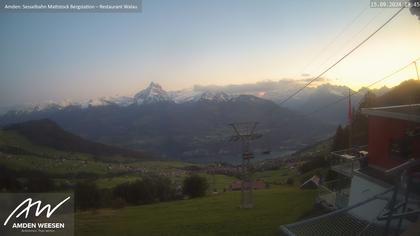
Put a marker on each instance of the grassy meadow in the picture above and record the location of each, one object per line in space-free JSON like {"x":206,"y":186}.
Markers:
{"x":215,"y":214}
{"x":212,"y":215}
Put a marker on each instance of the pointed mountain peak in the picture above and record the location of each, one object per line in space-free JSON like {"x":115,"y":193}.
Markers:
{"x":154,"y":85}
{"x":154,"y":93}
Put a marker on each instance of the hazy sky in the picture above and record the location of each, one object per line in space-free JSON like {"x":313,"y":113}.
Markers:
{"x":179,"y":43}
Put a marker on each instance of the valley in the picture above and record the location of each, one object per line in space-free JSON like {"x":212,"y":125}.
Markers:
{"x":40,"y":156}
{"x":194,"y":131}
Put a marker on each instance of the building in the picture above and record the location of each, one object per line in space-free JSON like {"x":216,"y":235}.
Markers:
{"x":311,"y":183}
{"x":391,"y":127}
{"x":379,"y":184}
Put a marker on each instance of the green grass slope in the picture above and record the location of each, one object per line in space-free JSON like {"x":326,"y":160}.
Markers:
{"x":17,"y":152}
{"x":213,"y":215}
{"x":47,"y":133}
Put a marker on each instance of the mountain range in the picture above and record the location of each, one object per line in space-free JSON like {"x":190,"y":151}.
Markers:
{"x":194,"y":130}
{"x":305,"y":102}
{"x":193,"y":124}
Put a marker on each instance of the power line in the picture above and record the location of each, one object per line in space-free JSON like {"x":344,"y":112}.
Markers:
{"x":370,"y":85}
{"x":346,"y":27}
{"x":352,"y":39}
{"x":342,"y":58}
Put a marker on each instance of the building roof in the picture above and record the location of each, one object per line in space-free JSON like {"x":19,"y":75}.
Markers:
{"x":256,"y":184}
{"x":409,"y":112}
{"x":312,"y":182}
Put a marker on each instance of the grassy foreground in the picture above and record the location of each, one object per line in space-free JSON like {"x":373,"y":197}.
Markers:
{"x":213,"y":215}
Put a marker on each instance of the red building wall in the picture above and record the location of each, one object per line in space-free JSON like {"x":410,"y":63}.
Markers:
{"x":381,"y":131}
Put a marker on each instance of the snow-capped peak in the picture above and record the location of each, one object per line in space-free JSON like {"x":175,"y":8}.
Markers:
{"x":214,"y":96}
{"x":192,"y":95}
{"x":152,"y":94}
{"x":103,"y":101}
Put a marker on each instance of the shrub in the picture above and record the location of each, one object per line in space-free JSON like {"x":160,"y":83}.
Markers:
{"x":195,"y":186}
{"x":118,"y":203}
{"x":314,"y":163}
{"x":87,"y":196}
{"x":290,"y":181}
{"x":145,"y":191}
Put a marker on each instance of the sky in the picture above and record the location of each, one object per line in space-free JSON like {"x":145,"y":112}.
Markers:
{"x":181,"y":43}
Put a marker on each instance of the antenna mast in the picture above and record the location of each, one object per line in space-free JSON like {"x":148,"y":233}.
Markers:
{"x":417,"y":70}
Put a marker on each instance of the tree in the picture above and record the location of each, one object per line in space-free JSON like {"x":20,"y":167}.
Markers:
{"x":359,"y":126}
{"x":147,"y":190}
{"x":340,"y":139}
{"x":314,"y":163}
{"x":195,"y":186}
{"x":9,"y":180}
{"x":40,"y":183}
{"x":290,"y":181}
{"x":87,"y":196}
{"x":369,"y":100}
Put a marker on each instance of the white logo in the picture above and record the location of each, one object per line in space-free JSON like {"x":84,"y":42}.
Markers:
{"x":38,"y":211}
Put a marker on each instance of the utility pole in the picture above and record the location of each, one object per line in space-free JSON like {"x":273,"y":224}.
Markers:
{"x":245,"y":133}
{"x":417,"y":69}
{"x":350,"y":120}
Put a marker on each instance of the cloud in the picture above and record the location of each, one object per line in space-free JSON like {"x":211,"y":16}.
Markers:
{"x":319,"y":80}
{"x":263,"y":87}
{"x":316,"y":83}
